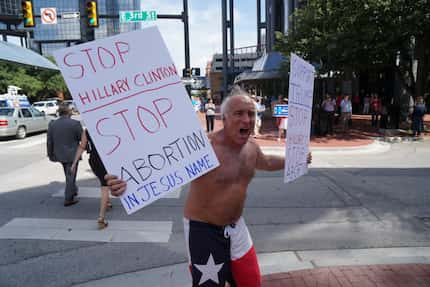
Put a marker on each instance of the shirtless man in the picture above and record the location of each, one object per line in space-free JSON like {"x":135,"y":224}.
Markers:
{"x":219,"y":245}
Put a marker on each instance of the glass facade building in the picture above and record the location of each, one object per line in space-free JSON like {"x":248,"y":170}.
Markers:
{"x":49,"y":37}
{"x":10,"y":7}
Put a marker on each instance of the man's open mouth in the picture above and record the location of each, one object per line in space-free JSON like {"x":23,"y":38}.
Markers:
{"x":244,"y":132}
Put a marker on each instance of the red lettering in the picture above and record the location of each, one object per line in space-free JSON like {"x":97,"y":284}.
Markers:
{"x":89,"y":58}
{"x":126,"y":122}
{"x":136,"y":82}
{"x":139,"y":116}
{"x":81,"y":68}
{"x":120,"y":51}
{"x":118,"y":142}
{"x":161,"y":113}
{"x":112,"y":56}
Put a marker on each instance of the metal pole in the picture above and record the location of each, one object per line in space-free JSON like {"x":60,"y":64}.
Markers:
{"x":258,"y":26}
{"x":231,"y":22}
{"x":268,"y":26}
{"x":186,"y":35}
{"x":224,"y":49}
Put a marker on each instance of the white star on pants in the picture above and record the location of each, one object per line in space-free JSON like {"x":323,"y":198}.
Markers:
{"x":209,"y":270}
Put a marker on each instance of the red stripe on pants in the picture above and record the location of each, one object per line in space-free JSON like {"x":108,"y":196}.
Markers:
{"x":246,"y":271}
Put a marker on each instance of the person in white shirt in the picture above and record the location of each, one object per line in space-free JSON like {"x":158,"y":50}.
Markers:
{"x":329,"y":107}
{"x":346,"y":112}
{"x":210,"y":115}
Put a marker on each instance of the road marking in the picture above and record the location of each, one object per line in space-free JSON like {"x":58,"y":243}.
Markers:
{"x":94,"y":192}
{"x":86,"y":230}
{"x":29,"y":143}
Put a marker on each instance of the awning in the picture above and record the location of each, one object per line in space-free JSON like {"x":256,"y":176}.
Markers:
{"x":17,"y":54}
{"x":264,"y":68}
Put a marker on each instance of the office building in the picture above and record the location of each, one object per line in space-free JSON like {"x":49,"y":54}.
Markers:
{"x":46,"y":38}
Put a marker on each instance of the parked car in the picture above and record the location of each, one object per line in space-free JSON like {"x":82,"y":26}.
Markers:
{"x":20,"y":121}
{"x":48,"y":107}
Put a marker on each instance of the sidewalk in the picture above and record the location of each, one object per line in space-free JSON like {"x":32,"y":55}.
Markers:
{"x":359,"y":135}
{"x":378,"y":267}
{"x":410,"y":275}
{"x":373,"y":267}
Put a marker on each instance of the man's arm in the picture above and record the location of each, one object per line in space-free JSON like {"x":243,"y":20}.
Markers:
{"x":273,"y":162}
{"x":269,"y":162}
{"x":50,"y":143}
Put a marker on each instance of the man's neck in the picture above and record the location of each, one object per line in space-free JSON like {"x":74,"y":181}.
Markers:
{"x":227,"y":141}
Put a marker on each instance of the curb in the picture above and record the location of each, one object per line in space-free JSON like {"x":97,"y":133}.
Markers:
{"x":377,"y":146}
{"x":273,"y":264}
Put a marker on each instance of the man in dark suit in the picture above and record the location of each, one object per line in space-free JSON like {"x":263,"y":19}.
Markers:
{"x":64,"y":137}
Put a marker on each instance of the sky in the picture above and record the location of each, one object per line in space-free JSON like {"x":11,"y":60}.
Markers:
{"x":204,"y":28}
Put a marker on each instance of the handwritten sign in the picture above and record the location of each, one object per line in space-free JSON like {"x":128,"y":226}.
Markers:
{"x":138,"y":113}
{"x":301,"y":90}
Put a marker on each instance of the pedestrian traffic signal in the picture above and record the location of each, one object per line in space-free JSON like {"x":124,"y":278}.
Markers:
{"x":92,"y":16}
{"x":27,"y":13}
{"x":195,"y":71}
{"x":186,"y":72}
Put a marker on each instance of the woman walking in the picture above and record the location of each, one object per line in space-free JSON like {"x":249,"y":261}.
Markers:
{"x":99,"y":170}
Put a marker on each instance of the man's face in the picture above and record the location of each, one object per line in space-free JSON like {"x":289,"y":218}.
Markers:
{"x":240,"y":120}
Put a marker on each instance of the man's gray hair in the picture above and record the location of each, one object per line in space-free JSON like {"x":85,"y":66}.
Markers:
{"x":225,"y":105}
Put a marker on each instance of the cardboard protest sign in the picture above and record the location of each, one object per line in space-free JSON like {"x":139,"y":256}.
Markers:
{"x":301,"y":91}
{"x":138,"y":113}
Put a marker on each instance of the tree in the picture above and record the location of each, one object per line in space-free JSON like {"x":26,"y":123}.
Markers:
{"x":35,"y":83}
{"x":346,"y":36}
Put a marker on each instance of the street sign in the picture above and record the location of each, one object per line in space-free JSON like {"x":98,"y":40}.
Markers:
{"x":137,"y":16}
{"x":48,"y":15}
{"x":71,"y":15}
{"x":280,"y":111}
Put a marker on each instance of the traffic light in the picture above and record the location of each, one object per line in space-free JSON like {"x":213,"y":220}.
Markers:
{"x":92,"y":16}
{"x":27,"y":13}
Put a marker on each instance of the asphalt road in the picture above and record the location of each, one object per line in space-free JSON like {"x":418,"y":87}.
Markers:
{"x":348,"y":200}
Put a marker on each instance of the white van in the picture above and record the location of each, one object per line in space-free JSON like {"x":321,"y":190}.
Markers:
{"x":47,"y":107}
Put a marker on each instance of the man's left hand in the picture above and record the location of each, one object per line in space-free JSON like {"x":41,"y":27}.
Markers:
{"x":309,"y":158}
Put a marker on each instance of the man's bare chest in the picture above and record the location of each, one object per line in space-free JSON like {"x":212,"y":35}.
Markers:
{"x":234,"y":167}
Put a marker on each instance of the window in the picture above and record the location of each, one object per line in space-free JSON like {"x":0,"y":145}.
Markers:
{"x":6,"y":112}
{"x":36,"y":113}
{"x":26,"y":113}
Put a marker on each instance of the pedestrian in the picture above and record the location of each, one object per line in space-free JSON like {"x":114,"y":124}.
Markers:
{"x":346,"y":112}
{"x":366,"y":104}
{"x":219,"y":244}
{"x":418,"y":116}
{"x":99,"y":171}
{"x":210,"y":115}
{"x":384,"y":115}
{"x":63,"y":138}
{"x":282,"y":122}
{"x":356,"y":103}
{"x":259,"y":109}
{"x":329,"y":107}
{"x":375,"y":108}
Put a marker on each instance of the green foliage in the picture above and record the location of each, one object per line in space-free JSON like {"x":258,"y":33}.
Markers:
{"x":358,"y":34}
{"x":35,"y":83}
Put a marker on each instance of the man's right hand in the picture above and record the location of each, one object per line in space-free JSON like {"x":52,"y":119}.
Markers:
{"x":117,"y":186}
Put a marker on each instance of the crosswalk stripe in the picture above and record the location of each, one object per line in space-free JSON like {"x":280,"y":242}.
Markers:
{"x":86,"y":230}
{"x":94,"y":192}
